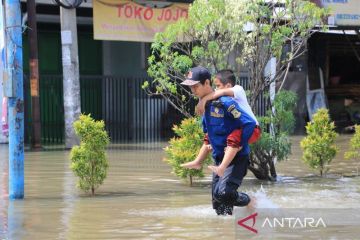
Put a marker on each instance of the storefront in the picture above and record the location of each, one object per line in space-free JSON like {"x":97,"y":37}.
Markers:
{"x":334,"y":61}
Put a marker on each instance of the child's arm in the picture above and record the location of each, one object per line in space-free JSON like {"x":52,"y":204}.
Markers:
{"x":200,"y":108}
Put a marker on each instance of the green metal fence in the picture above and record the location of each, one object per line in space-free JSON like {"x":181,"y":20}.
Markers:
{"x":52,"y":108}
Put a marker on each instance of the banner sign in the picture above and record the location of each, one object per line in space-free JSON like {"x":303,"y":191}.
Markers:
{"x":344,"y":12}
{"x":129,"y":21}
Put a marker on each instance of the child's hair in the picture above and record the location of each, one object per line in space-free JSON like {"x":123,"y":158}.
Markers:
{"x":226,"y":76}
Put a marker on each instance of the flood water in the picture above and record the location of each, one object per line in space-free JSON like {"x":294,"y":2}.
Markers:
{"x":141,"y":199}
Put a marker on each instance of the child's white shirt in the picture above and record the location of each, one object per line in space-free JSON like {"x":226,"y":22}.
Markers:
{"x":241,"y":100}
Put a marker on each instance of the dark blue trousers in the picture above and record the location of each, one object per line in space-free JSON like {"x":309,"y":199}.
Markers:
{"x":224,"y":189}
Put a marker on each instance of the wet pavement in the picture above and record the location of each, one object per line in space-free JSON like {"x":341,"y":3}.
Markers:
{"x":141,"y":199}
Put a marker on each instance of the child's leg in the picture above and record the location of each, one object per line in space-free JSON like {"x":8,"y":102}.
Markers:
{"x":233,"y":147}
{"x":235,"y":137}
{"x":197,"y":163}
{"x":255,"y":135}
{"x":230,"y":153}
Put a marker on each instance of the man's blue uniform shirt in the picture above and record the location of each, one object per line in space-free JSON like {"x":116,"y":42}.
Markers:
{"x":220,"y":119}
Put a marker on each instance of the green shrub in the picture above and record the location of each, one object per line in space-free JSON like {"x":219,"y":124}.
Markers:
{"x":88,"y":161}
{"x":354,"y":152}
{"x":185,"y":147}
{"x":319,"y":144}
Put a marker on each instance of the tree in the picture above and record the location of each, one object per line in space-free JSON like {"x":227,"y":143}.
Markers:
{"x":354,"y":152}
{"x":229,"y":34}
{"x":274,"y":144}
{"x":88,"y":161}
{"x":185,"y":147}
{"x":319,"y":144}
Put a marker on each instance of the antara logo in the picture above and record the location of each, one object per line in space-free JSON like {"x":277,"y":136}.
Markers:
{"x":283,"y":222}
{"x":241,"y":222}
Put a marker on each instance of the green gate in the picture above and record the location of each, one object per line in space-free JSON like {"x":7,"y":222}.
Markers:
{"x":52,"y":108}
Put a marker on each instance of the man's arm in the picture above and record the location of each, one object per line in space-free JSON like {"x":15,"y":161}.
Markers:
{"x":200,"y":108}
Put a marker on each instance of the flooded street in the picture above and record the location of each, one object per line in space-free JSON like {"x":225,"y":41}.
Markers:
{"x":141,"y":199}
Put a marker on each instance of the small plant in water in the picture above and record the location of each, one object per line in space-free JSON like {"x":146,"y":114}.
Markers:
{"x":88,"y":161}
{"x":185,"y":148}
{"x":319,"y":144}
{"x":354,"y":152}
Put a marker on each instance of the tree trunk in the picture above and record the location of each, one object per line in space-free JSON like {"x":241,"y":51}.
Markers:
{"x":272,"y":170}
{"x":191,"y":181}
{"x":321,"y":167}
{"x":259,"y":166}
{"x":261,"y":172}
{"x":92,"y":191}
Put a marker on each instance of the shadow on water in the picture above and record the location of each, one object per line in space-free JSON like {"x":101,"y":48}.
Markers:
{"x":141,"y":199}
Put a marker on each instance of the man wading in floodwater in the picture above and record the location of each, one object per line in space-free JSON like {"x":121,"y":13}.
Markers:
{"x":221,"y":118}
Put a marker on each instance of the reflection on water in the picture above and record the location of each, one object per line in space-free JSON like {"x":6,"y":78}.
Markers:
{"x":141,"y":199}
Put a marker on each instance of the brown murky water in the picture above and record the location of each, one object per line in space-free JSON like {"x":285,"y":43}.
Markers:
{"x":141,"y":199}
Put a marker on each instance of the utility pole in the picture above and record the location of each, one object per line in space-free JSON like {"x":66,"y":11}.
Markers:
{"x":13,"y":84}
{"x":34,"y":76}
{"x":71,"y":82}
